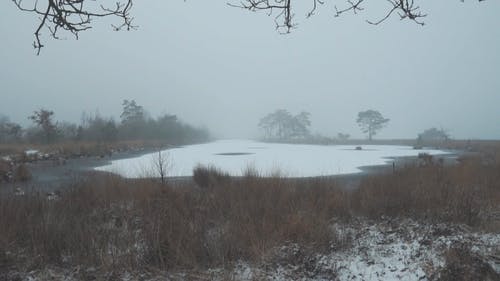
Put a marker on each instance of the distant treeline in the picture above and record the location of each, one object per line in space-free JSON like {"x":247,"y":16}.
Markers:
{"x":283,"y":126}
{"x":134,"y":124}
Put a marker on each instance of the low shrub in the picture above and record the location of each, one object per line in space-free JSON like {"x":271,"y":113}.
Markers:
{"x":209,"y":176}
{"x":462,"y":264}
{"x":22,"y":173}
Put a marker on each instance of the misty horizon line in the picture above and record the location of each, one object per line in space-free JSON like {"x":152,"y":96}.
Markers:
{"x":355,"y":137}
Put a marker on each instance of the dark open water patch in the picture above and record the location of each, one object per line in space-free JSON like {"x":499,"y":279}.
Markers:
{"x":233,"y":153}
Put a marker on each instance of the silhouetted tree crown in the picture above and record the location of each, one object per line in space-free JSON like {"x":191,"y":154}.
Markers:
{"x":282,"y":125}
{"x":43,"y":120}
{"x":132,"y":113}
{"x":433,"y":134}
{"x":370,"y":122}
{"x":9,"y":131}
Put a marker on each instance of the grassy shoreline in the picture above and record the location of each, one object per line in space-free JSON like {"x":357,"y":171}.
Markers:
{"x":111,"y":223}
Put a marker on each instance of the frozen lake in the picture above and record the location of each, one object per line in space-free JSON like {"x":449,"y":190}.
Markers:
{"x":290,"y":160}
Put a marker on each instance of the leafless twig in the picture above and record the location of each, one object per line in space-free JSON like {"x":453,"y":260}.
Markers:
{"x":76,"y":15}
{"x":282,"y":9}
{"x":406,"y":10}
{"x":73,"y":15}
{"x":314,"y":7}
{"x":353,"y":6}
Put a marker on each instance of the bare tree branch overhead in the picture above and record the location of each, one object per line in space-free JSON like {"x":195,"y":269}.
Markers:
{"x":407,"y":9}
{"x":282,"y":10}
{"x":73,"y":15}
{"x":77,"y":15}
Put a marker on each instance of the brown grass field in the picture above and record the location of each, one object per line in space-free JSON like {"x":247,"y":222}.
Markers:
{"x":113,"y":223}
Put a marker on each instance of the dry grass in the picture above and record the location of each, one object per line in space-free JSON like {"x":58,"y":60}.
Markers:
{"x":81,"y":148}
{"x":22,"y":173}
{"x":463,"y":265}
{"x":115,"y":223}
{"x":463,"y":193}
{"x":209,"y":176}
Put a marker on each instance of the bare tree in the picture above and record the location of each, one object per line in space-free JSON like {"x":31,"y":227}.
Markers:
{"x":162,"y":164}
{"x":73,"y":15}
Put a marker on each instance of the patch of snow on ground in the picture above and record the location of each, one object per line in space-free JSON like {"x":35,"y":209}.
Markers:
{"x":31,"y":152}
{"x":6,"y":158}
{"x":385,"y":250}
{"x":382,"y":251}
{"x":380,"y":254}
{"x":293,"y":160}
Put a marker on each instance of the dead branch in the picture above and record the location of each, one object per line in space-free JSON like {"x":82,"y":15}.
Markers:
{"x":282,"y":9}
{"x":352,"y":6}
{"x":406,"y":10}
{"x":73,"y":16}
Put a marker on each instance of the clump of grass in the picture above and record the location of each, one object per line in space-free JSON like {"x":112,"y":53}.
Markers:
{"x":5,"y":169}
{"x":209,"y":176}
{"x":250,"y":171}
{"x":22,"y":173}
{"x":462,"y":264}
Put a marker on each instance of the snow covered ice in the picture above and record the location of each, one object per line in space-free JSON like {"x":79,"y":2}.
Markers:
{"x":289,"y":160}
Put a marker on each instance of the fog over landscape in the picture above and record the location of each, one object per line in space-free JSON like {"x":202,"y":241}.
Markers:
{"x":250,"y":140}
{"x":225,"y":68}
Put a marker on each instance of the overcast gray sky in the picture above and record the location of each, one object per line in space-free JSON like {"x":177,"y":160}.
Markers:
{"x":224,"y":68}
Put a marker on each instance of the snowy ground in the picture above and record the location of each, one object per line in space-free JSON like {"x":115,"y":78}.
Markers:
{"x":383,"y":251}
{"x":292,"y":160}
{"x":363,"y":250}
